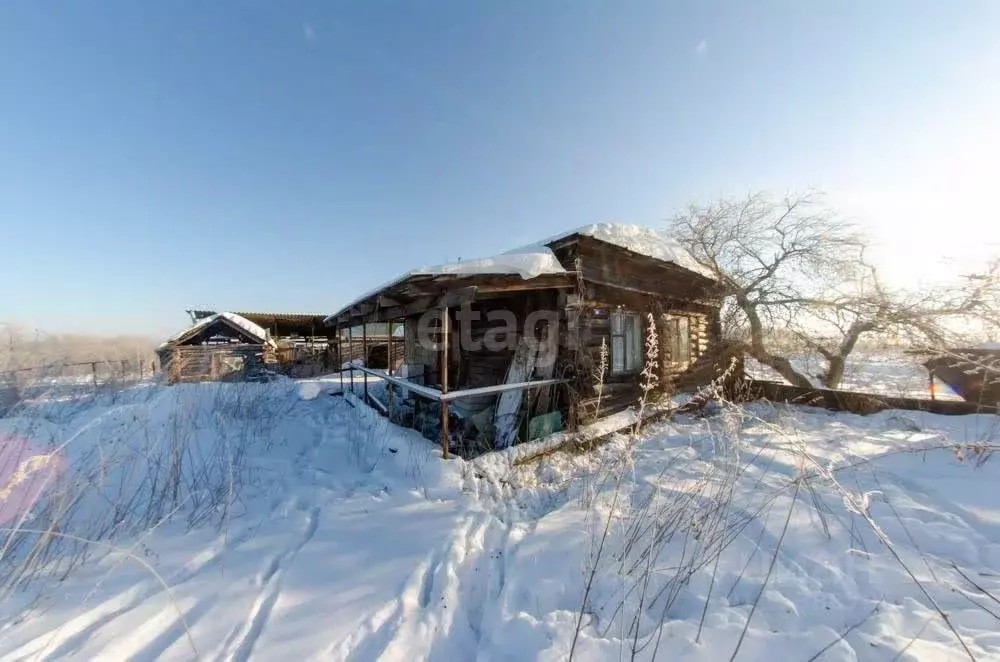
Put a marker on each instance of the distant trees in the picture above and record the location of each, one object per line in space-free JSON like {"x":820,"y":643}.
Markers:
{"x":792,"y":268}
{"x":21,"y":347}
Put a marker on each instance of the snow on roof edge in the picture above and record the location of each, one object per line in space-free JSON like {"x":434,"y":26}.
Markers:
{"x":251,"y":328}
{"x":527,"y":265}
{"x":536,"y":259}
{"x":640,"y":239}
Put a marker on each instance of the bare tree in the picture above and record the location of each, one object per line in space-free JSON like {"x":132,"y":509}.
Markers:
{"x":773,"y":258}
{"x":792,"y":268}
{"x":937,"y":316}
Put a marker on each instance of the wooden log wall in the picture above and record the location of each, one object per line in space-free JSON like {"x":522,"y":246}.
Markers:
{"x":623,"y":390}
{"x":199,"y":363}
{"x":600,"y":395}
{"x":609,"y":277}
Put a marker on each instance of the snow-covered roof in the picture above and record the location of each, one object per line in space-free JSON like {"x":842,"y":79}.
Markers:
{"x":538,"y":259}
{"x":255,"y":331}
{"x":527,"y":265}
{"x":657,"y":244}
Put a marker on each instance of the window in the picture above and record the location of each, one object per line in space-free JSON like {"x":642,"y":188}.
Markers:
{"x":679,"y":339}
{"x":626,"y":343}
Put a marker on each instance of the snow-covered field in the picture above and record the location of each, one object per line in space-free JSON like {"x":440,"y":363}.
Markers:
{"x":882,"y":372}
{"x":307,"y":528}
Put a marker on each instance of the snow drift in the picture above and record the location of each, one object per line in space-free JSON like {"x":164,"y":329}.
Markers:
{"x":771,"y":531}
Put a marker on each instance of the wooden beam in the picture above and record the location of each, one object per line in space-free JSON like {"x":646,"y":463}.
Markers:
{"x":437,"y":396}
{"x":445,"y":437}
{"x":395,"y":312}
{"x":459,"y":297}
{"x":563,"y":280}
{"x":498,"y":388}
{"x":491,"y":283}
{"x":364,"y":351}
{"x":350,"y":356}
{"x":424,"y":391}
{"x":388,"y":369}
{"x":672,"y":300}
{"x":454,"y":291}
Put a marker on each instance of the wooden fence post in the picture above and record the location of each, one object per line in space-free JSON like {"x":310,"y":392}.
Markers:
{"x":445,"y":436}
{"x":350,"y":356}
{"x":388,"y":370}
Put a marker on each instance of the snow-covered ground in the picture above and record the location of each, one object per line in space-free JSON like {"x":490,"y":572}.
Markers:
{"x":350,"y":539}
{"x":883,"y":372}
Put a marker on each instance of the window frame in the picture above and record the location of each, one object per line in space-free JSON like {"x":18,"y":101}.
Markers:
{"x":622,"y":324}
{"x":680,"y":352}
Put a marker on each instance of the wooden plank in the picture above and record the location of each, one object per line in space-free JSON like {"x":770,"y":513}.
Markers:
{"x":415,"y":307}
{"x":436,"y":395}
{"x":841,"y":400}
{"x":616,"y":264}
{"x":432,"y":292}
{"x":457,"y":297}
{"x":586,"y":436}
{"x":388,"y":369}
{"x":674,"y":301}
{"x":350,"y":339}
{"x":509,"y":405}
{"x":546,"y":365}
{"x":499,"y":389}
{"x":445,"y":436}
{"x":424,"y":391}
{"x":375,"y":403}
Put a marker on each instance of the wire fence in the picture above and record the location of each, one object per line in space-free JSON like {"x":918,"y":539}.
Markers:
{"x":92,"y":373}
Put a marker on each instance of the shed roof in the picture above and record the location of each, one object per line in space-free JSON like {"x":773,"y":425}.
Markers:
{"x":280,"y":325}
{"x":251,"y":330}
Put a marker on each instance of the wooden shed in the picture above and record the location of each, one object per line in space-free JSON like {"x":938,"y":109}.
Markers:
{"x":303,"y":345}
{"x":973,"y":373}
{"x":507,"y":348}
{"x":219,"y":347}
{"x":376,"y":345}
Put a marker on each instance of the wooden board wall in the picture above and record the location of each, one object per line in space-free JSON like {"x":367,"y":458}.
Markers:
{"x":606,"y":264}
{"x":469,"y":367}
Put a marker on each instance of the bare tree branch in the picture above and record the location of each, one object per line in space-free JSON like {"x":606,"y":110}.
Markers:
{"x":791,"y":267}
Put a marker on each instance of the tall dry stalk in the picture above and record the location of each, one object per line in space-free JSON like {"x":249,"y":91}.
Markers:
{"x":602,"y":370}
{"x":649,"y":381}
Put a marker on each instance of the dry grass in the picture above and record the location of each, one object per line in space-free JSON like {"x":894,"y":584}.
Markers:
{"x":658,"y":534}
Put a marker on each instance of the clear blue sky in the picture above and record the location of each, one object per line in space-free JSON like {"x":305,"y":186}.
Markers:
{"x":287,"y":155}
